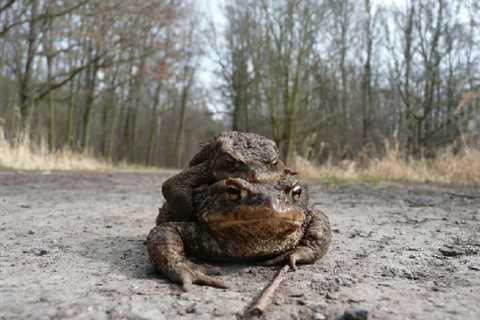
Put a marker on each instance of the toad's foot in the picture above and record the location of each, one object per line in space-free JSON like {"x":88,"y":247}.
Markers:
{"x":166,"y":250}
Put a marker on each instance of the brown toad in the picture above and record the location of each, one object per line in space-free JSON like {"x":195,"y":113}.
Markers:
{"x":240,"y":221}
{"x":231,"y":154}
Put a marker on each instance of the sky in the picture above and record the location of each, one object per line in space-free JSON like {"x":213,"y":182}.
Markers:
{"x":212,"y":10}
{"x":214,"y":7}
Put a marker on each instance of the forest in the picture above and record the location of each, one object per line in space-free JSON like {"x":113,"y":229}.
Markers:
{"x":145,"y":82}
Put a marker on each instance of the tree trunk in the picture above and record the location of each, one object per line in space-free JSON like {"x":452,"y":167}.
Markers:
{"x":367,"y":75}
{"x":25,"y":76}
{"x":90,"y":100}
{"x":71,"y":121}
{"x":153,"y":125}
{"x":48,"y":46}
{"x":178,"y":143}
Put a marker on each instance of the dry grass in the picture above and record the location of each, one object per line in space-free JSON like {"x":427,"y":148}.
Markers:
{"x":25,"y":156}
{"x":463,"y":168}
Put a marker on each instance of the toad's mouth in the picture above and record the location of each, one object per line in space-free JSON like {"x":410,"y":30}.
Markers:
{"x":253,"y":232}
{"x":245,"y":216}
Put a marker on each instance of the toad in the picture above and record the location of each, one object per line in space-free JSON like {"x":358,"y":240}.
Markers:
{"x":233,"y":154}
{"x":236,"y":220}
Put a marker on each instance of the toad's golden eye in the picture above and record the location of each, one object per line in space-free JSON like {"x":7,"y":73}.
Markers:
{"x":229,"y":159}
{"x":234,"y":194}
{"x":296,"y":192}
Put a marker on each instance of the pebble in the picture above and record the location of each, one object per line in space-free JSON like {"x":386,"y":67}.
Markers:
{"x":354,"y":314}
{"x":330,"y":296}
{"x":317,"y":308}
{"x":474,"y":268}
{"x":181,"y":312}
{"x":39,"y":252}
{"x":450,"y":252}
{"x":319,"y":316}
{"x":191,"y":309}
{"x":297,"y":294}
{"x":301,"y":302}
{"x":218,"y":313}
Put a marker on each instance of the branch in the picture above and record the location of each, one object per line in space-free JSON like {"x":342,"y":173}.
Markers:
{"x":7,"y":5}
{"x":267,"y":294}
{"x":42,"y":17}
{"x":466,"y":196}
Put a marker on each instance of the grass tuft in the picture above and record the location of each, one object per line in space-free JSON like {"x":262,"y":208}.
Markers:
{"x":24,"y":155}
{"x":461,"y":168}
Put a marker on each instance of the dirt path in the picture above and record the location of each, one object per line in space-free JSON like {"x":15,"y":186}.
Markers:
{"x":72,"y":246}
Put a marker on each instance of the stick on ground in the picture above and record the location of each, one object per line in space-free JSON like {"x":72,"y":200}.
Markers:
{"x":267,"y":294}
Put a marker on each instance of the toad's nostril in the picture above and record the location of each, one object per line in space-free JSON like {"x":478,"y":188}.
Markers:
{"x":252,"y":177}
{"x":268,"y":201}
{"x":275,"y":203}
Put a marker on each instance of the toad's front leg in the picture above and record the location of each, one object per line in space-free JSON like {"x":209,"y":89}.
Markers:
{"x":166,"y":250}
{"x":313,"y":245}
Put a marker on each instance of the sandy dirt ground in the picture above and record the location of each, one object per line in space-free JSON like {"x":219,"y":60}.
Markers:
{"x":72,"y":247}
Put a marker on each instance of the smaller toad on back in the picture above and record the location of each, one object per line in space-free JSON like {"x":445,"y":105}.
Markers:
{"x":233,"y":154}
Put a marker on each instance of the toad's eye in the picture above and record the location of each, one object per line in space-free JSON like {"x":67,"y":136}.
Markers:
{"x":274,"y":161}
{"x":234,"y":194}
{"x":296,"y":192}
{"x":231,"y":163}
{"x":229,"y":159}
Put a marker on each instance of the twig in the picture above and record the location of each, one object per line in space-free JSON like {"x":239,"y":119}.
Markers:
{"x":267,"y":294}
{"x":461,"y":195}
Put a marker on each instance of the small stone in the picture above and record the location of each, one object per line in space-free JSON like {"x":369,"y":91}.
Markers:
{"x":25,"y":206}
{"x":69,"y":312}
{"x":474,"y":268}
{"x":301,"y":302}
{"x":30,"y":232}
{"x":329,"y":296}
{"x":218,"y":313}
{"x":355,"y":300}
{"x":180,"y":312}
{"x":436,"y":288}
{"x":297,"y":294}
{"x":317,"y":308}
{"x":450,"y":252}
{"x":319,"y":316}
{"x":354,"y":314}
{"x":191,"y":309}
{"x":247,"y":271}
{"x":40,"y":252}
